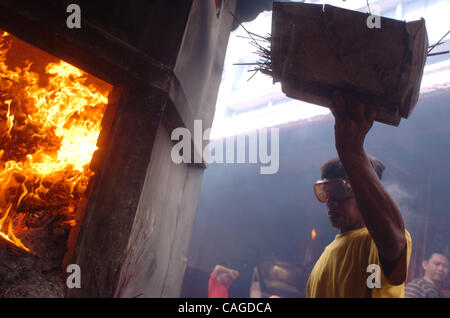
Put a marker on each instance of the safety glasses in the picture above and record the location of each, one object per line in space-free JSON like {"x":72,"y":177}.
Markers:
{"x":336,"y":189}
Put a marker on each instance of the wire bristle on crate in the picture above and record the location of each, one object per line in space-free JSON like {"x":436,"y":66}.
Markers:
{"x":431,"y":47}
{"x":262,"y":45}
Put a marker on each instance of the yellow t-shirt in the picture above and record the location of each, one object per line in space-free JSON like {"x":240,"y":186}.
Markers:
{"x":341,"y":270}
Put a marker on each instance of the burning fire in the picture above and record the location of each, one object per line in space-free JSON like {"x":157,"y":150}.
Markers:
{"x":47,"y":138}
{"x":313,"y":234}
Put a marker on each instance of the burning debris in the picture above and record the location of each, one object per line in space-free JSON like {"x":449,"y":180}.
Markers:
{"x":48,"y":134}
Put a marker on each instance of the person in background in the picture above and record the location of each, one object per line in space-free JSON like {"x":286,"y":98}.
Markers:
{"x":220,"y":281}
{"x":436,"y":270}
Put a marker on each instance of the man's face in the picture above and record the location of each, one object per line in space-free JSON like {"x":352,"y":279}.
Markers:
{"x":344,"y":215}
{"x":436,"y":268}
{"x":342,"y":209}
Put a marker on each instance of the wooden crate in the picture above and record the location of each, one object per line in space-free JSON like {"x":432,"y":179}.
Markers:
{"x":316,"y":49}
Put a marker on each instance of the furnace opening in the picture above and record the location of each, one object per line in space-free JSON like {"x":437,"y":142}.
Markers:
{"x":50,"y":119}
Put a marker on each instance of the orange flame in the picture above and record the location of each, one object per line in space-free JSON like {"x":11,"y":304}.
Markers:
{"x":47,"y":138}
{"x":313,"y":234}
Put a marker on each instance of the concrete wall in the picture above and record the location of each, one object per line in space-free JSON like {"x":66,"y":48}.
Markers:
{"x":158,"y":246}
{"x":156,"y":255}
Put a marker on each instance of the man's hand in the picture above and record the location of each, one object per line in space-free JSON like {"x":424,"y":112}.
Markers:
{"x":353,"y":121}
{"x":224,"y":275}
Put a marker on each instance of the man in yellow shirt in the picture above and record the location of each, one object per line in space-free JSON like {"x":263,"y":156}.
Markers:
{"x":370,"y":255}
